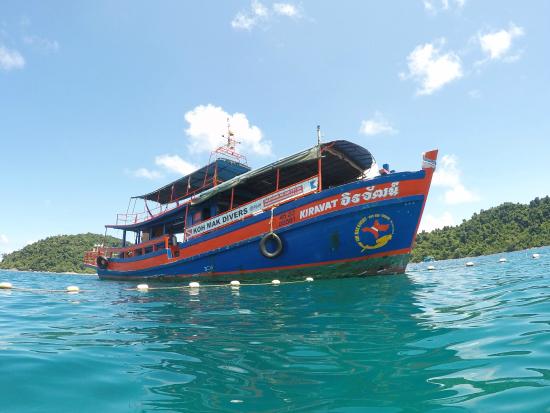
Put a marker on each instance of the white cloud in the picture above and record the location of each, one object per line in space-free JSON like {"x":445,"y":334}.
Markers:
{"x":258,"y":14}
{"x":258,"y":9}
{"x":208,"y":123}
{"x":10,"y":59}
{"x":174,"y":163}
{"x":497,"y":44}
{"x":146,"y":173}
{"x":170,"y":163}
{"x":431,"y":68}
{"x":286,"y":9}
{"x":42,"y":44}
{"x":246,"y":20}
{"x":378,"y":124}
{"x":434,"y":6}
{"x":243,"y":22}
{"x":460,"y":195}
{"x":430,"y":222}
{"x":447,"y":175}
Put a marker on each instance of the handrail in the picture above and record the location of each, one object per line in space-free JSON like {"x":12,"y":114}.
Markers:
{"x":271,"y":205}
{"x":154,"y":241}
{"x":139,"y":217}
{"x":90,"y":256}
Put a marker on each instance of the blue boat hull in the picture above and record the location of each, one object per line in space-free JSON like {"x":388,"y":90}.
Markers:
{"x":374,"y":238}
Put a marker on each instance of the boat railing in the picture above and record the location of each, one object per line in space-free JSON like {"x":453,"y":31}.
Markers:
{"x":150,"y":213}
{"x":153,"y":245}
{"x":135,"y":218}
{"x":256,"y":206}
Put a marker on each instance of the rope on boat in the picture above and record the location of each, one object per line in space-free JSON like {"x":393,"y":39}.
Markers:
{"x":271,"y":220}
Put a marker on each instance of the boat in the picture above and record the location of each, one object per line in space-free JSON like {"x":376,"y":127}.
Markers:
{"x":325,"y":212}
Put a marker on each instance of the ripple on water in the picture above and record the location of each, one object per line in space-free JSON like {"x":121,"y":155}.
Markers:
{"x":454,"y":339}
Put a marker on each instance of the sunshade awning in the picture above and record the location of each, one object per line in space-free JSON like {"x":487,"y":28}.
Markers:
{"x":226,"y":170}
{"x":356,"y":156}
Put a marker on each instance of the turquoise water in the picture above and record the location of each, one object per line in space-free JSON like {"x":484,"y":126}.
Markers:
{"x":455,"y":339}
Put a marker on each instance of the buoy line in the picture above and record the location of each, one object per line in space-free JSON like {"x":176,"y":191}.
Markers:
{"x":70,"y":289}
{"x":196,"y":286}
{"x":73,"y":289}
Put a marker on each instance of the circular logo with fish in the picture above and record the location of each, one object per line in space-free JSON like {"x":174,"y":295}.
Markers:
{"x":374,"y":231}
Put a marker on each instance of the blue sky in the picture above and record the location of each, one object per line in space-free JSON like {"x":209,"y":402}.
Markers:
{"x":107,"y":99}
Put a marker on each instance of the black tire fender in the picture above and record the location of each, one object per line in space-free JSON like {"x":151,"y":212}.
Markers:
{"x":278,"y":242}
{"x":102,"y":262}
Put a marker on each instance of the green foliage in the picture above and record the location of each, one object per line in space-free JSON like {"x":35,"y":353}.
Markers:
{"x":60,"y":253}
{"x":507,"y":227}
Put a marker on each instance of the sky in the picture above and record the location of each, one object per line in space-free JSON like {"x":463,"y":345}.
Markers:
{"x":107,"y":99}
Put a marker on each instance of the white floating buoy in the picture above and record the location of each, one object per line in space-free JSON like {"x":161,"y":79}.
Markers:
{"x":431,"y":268}
{"x":142,"y":287}
{"x":235,"y":283}
{"x":275,"y":282}
{"x":502,"y":260}
{"x":469,"y":264}
{"x":309,"y":279}
{"x":535,"y":255}
{"x":194,"y":284}
{"x":5,"y":285}
{"x":73,"y":289}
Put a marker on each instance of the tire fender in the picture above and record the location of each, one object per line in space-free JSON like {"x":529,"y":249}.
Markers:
{"x":278,"y":242}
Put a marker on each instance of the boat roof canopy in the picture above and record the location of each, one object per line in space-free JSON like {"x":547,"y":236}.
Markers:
{"x":227,"y":169}
{"x":342,"y":161}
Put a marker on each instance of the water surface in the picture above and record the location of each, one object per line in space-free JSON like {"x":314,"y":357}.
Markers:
{"x":457,"y":339}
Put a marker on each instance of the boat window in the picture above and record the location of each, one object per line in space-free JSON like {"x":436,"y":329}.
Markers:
{"x":206,"y":213}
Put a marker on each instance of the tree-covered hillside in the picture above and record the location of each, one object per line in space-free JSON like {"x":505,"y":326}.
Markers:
{"x":60,"y":253}
{"x":507,"y":227}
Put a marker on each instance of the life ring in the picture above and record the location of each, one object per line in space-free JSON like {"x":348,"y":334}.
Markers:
{"x":102,"y":262}
{"x":278,"y":242}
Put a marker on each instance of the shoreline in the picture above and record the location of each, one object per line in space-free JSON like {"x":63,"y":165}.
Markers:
{"x":484,"y":255}
{"x":410,"y":262}
{"x":49,"y":272}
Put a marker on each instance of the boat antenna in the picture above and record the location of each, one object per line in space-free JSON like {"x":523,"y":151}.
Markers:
{"x":231,"y":143}
{"x":229,"y":149}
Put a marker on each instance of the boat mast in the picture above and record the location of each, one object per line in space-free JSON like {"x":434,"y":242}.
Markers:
{"x":229,"y":150}
{"x":319,"y":136}
{"x":319,"y":159}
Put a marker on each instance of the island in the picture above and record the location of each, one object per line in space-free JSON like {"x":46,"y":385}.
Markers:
{"x":60,"y":253}
{"x":507,"y":227}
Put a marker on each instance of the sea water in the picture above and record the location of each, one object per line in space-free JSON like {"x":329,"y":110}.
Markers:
{"x":454,"y":339}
